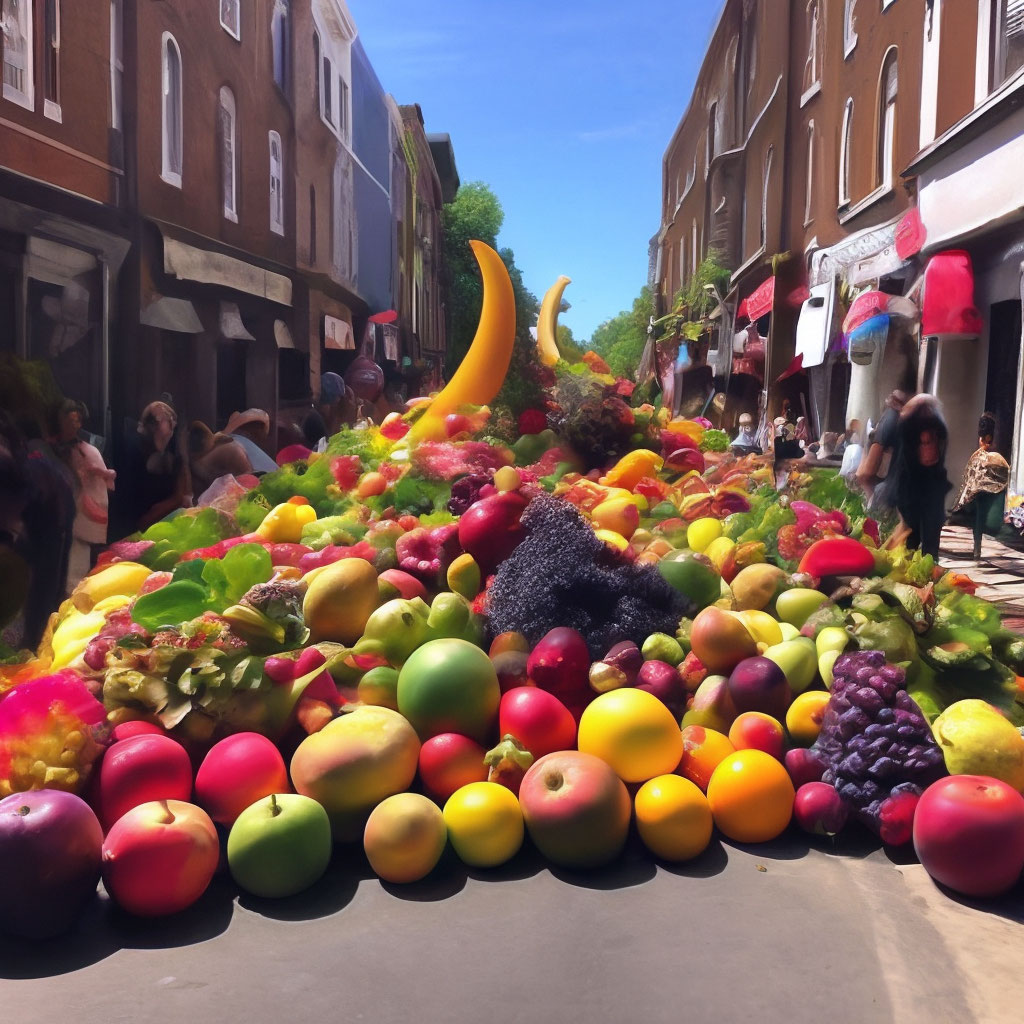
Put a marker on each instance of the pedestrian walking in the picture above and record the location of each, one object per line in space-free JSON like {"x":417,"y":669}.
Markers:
{"x":875,"y":464}
{"x":984,"y":483}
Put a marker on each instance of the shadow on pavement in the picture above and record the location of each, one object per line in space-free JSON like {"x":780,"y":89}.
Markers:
{"x":1009,"y":906}
{"x":713,"y":861}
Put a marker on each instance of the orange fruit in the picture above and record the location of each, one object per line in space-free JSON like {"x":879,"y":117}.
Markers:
{"x":703,"y":751}
{"x":404,"y":838}
{"x":805,"y":715}
{"x":751,"y":796}
{"x":485,"y":824}
{"x":633,"y":731}
{"x":673,"y":818}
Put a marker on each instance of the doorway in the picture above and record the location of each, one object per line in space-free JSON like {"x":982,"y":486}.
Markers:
{"x":1004,"y":344}
{"x":231,"y":358}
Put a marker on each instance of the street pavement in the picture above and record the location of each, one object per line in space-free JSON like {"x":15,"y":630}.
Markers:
{"x":790,"y":930}
{"x":1000,"y":570}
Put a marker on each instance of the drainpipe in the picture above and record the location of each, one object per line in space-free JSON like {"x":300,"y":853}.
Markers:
{"x":105,"y":350}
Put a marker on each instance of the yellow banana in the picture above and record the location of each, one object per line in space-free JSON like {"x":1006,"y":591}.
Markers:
{"x":547,"y":322}
{"x":482,"y":370}
{"x":119,"y":578}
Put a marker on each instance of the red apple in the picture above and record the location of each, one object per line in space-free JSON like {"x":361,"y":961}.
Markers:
{"x":455,"y":423}
{"x":490,"y":529}
{"x":160,"y":857}
{"x":50,"y":844}
{"x":663,"y":681}
{"x":803,"y":765}
{"x":758,"y":684}
{"x":238,"y":771}
{"x":560,"y":664}
{"x":448,"y":762}
{"x":126,"y":730}
{"x":537,"y":719}
{"x":139,"y":769}
{"x":819,"y":809}
{"x":576,"y":809}
{"x":969,"y":834}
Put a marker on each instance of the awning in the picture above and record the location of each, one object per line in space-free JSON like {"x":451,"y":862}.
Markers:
{"x":387,"y":316}
{"x":759,"y":302}
{"x":872,"y":303}
{"x":814,"y":328}
{"x":190,"y":263}
{"x":282,"y":335}
{"x":231,"y":325}
{"x":910,"y":234}
{"x":947,"y":297}
{"x":338,"y":334}
{"x":172,"y":315}
{"x":868,"y":338}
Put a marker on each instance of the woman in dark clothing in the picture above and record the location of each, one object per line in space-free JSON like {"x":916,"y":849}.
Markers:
{"x":918,"y":472}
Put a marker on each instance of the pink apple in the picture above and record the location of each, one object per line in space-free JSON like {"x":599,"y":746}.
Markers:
{"x":238,"y":771}
{"x":490,"y":529}
{"x":560,"y":664}
{"x":969,"y":834}
{"x":819,"y":809}
{"x":576,"y":809}
{"x":449,"y":761}
{"x":537,"y":719}
{"x":139,"y":769}
{"x":754,"y":730}
{"x":160,"y":857}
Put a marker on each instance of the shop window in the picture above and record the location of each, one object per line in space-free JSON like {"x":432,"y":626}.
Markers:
{"x":116,"y":63}
{"x":887,"y":119}
{"x":292,"y":375}
{"x":280,"y":39}
{"x":809,"y":191}
{"x":229,"y":164}
{"x":51,"y":59}
{"x":764,"y":195}
{"x":276,"y":185}
{"x":845,"y":140}
{"x":17,"y":39}
{"x":171,"y":164}
{"x":1008,"y":40}
{"x":231,"y":17}
{"x":812,"y":66}
{"x":849,"y":26}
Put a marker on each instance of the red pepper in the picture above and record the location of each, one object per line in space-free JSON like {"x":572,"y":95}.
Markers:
{"x":837,"y":556}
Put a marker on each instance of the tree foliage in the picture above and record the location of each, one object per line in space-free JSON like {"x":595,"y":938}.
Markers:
{"x":568,"y":347}
{"x":695,"y":301}
{"x":621,"y":340}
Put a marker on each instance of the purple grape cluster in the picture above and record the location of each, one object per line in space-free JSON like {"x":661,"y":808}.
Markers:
{"x":875,"y":742}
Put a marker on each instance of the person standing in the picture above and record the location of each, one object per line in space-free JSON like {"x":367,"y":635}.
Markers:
{"x":251,"y":429}
{"x":985,"y":481}
{"x":874,"y":468}
{"x":917,"y":475}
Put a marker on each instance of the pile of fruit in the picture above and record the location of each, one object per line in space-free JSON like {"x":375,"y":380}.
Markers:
{"x":462,"y":642}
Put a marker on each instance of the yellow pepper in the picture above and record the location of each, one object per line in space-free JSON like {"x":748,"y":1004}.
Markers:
{"x":632,"y":468}
{"x":283,"y":524}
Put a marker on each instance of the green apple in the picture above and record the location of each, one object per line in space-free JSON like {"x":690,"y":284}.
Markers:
{"x":831,"y":638}
{"x":826,"y":662}
{"x":797,"y":605}
{"x":797,"y":659}
{"x":279,"y":845}
{"x":395,"y":629}
{"x":789,"y":631}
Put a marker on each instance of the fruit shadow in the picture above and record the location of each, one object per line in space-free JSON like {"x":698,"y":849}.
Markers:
{"x":713,"y":861}
{"x":634,"y":867}
{"x":334,"y":891}
{"x":103,"y":930}
{"x":1009,"y":906}
{"x":791,"y":845}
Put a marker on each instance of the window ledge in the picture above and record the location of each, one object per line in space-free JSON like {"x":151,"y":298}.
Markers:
{"x":231,"y":216}
{"x":811,"y":92}
{"x":171,"y":178}
{"x":12,"y":95}
{"x":277,"y":229}
{"x":752,"y":261}
{"x":848,"y":50}
{"x":52,"y":111}
{"x":847,"y":211}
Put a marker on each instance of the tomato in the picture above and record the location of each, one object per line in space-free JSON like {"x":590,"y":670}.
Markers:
{"x":538,"y":719}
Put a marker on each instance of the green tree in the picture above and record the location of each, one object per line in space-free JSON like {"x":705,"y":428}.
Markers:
{"x":569,"y":348}
{"x":621,"y":340}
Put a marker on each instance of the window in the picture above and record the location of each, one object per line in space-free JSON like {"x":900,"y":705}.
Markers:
{"x":844,"y":154}
{"x":276,"y":185}
{"x":51,"y":58}
{"x":171,"y":164}
{"x":764,"y":194}
{"x":327,"y":92}
{"x":343,"y":107}
{"x":229,"y":172}
{"x":812,"y":66}
{"x":886,"y":119}
{"x":333,"y":57}
{"x":280,"y":38}
{"x":231,"y":17}
{"x":694,"y":246}
{"x":316,"y":69}
{"x":809,"y":187}
{"x":712,"y":125}
{"x":1008,"y":40}
{"x":116,"y":63}
{"x":16,"y":20}
{"x":849,"y":26}
{"x":312,"y":225}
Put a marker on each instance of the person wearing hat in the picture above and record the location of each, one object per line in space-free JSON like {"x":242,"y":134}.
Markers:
{"x":251,"y":429}
{"x":745,"y":441}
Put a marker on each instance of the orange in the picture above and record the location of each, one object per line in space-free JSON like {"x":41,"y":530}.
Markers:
{"x":633,"y":731}
{"x":703,"y":751}
{"x":751,"y":796}
{"x":485,"y":824}
{"x":673,"y":818}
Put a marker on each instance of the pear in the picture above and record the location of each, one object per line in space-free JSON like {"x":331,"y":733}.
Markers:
{"x":797,"y":659}
{"x":977,"y":740}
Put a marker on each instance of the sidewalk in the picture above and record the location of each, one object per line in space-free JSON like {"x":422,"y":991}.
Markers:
{"x":1000,"y":572}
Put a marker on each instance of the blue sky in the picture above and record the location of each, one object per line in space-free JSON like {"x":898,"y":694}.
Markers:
{"x":565,"y":110}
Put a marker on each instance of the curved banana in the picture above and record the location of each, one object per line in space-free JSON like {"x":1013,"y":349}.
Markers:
{"x":547,"y":322}
{"x":482,"y":370}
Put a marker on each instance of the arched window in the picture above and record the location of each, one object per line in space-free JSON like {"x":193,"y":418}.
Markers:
{"x":809,"y":193}
{"x":812,"y":67}
{"x":764,"y":194}
{"x":888,"y":81}
{"x":229,"y":169}
{"x":1008,"y":37}
{"x":280,"y":39}
{"x":276,"y":185}
{"x":849,"y":26}
{"x":231,"y":17}
{"x":171,"y":161}
{"x":845,"y":140}
{"x":694,"y":246}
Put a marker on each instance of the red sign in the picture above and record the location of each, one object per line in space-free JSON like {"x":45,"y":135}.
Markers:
{"x":910,"y":234}
{"x":759,"y":302}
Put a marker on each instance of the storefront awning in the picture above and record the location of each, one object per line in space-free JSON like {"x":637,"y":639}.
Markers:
{"x":190,"y":263}
{"x":338,"y":334}
{"x":759,"y":302}
{"x":171,"y":314}
{"x":282,"y":335}
{"x":814,"y":328}
{"x":231,"y":324}
{"x":872,"y":303}
{"x":947,"y":297}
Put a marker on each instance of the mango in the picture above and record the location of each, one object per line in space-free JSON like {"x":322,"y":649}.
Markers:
{"x":977,"y":740}
{"x":755,"y":586}
{"x":340,"y":599}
